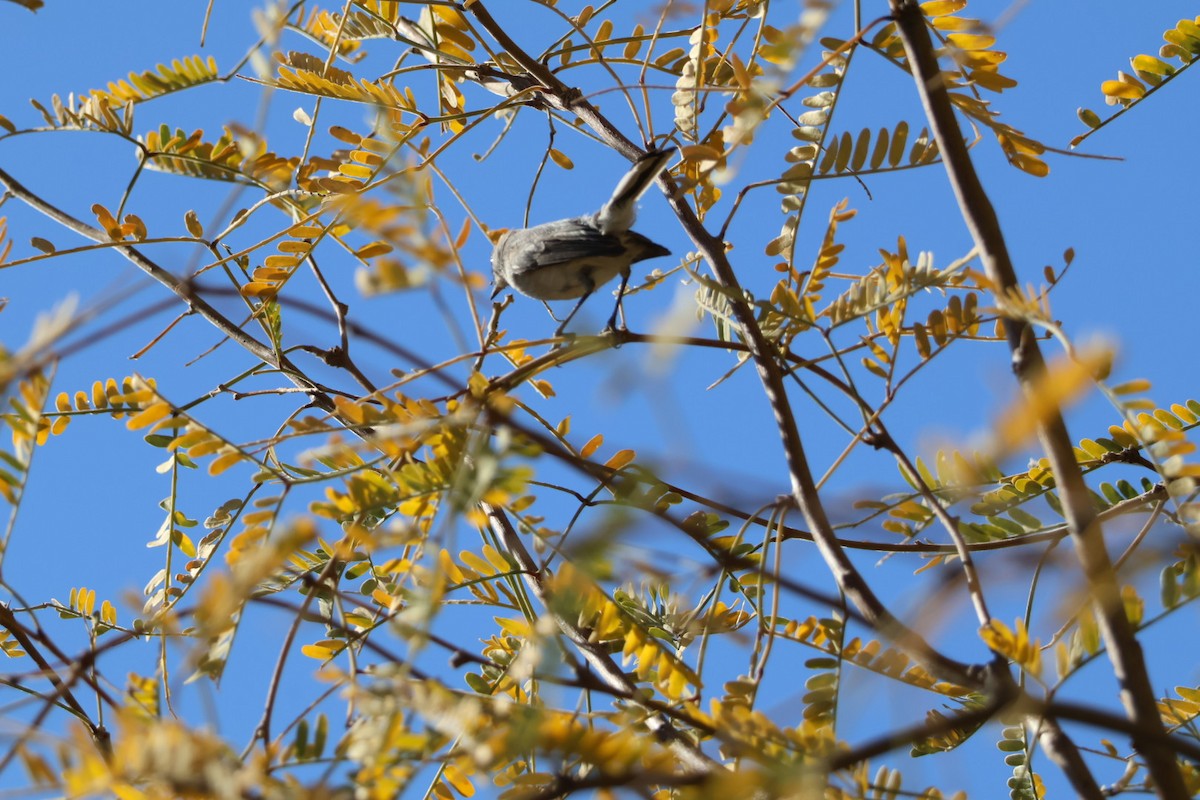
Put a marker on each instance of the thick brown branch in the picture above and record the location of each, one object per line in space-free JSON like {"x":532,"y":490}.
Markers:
{"x":1124,"y":650}
{"x":693,"y":760}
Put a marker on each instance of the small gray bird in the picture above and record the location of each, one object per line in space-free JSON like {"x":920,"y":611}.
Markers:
{"x":571,"y":258}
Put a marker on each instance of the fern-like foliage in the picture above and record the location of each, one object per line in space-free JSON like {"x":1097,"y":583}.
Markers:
{"x":29,"y":426}
{"x":976,"y":68}
{"x":865,"y":155}
{"x":813,"y":130}
{"x":237,"y":155}
{"x":894,"y":280}
{"x":408,"y":515}
{"x":98,"y":109}
{"x":1025,"y":784}
{"x":307,"y":74}
{"x":142,"y":86}
{"x":327,"y":28}
{"x":1181,"y":44}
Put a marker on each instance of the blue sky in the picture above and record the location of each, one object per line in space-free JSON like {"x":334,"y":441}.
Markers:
{"x":1130,"y":223}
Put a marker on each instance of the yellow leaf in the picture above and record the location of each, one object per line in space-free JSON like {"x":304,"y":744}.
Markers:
{"x":992,"y":80}
{"x":515,"y":627}
{"x":478,"y":385}
{"x":971,"y":41}
{"x":384,"y":599}
{"x":224,"y":462}
{"x":188,"y":439}
{"x":561,"y":159}
{"x":149,"y":416}
{"x":620,"y":459}
{"x":373,"y":249}
{"x":1088,"y":117}
{"x":1030,"y":164}
{"x":676,"y":684}
{"x":105,"y":217}
{"x":1136,"y":386}
{"x":344,"y":134}
{"x":259,"y":289}
{"x":635,"y":44}
{"x":134,"y":226}
{"x":473,"y":561}
{"x":124,"y":791}
{"x":458,"y":780}
{"x":99,"y":398}
{"x":356,"y":171}
{"x":1123,"y":90}
{"x":449,"y":568}
{"x":464,"y":232}
{"x":874,"y":368}
{"x":1151,"y":65}
{"x":193,"y":224}
{"x":322,"y":651}
{"x":1013,"y":643}
{"x":938,"y":8}
{"x":702,"y":154}
{"x":495,"y":559}
{"x":592,"y":446}
{"x":1135,"y":607}
{"x":668,"y":57}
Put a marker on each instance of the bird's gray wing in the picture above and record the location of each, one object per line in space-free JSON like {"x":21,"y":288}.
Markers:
{"x":559,"y":242}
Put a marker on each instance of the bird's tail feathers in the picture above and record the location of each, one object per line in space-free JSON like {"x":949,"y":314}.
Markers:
{"x":618,"y":213}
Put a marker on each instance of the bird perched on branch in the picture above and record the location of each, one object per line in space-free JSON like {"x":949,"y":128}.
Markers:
{"x":571,"y":258}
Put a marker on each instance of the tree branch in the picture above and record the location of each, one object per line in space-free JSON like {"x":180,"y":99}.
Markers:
{"x":694,"y":760}
{"x":182,"y":289}
{"x":804,"y":490}
{"x":1124,"y":651}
